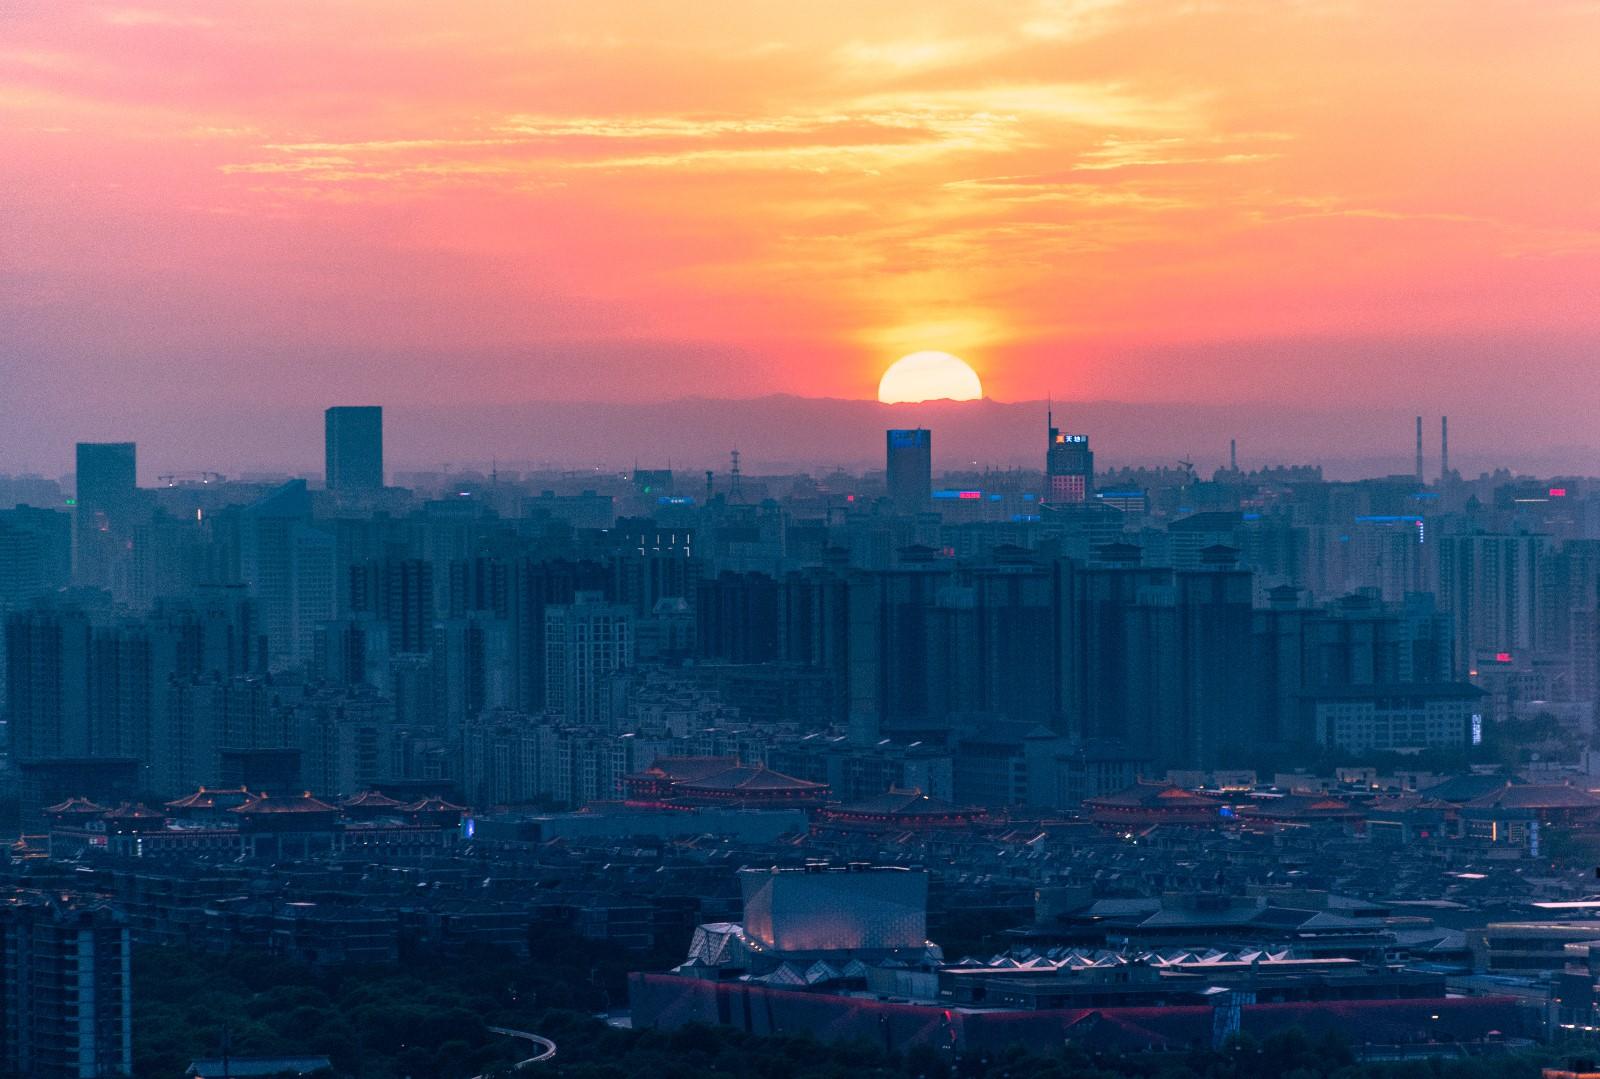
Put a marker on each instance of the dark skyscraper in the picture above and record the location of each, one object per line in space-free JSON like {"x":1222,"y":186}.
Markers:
{"x":107,"y":496}
{"x":354,"y":448}
{"x":1068,"y":468}
{"x":910,"y":469}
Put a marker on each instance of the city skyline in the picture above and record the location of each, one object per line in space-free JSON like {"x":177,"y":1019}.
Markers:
{"x":727,"y":539}
{"x":1237,"y":207}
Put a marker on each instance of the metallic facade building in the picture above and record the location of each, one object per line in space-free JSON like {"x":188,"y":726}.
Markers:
{"x":825,"y":909}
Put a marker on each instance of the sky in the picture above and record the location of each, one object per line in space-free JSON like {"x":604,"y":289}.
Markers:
{"x":1293,"y":204}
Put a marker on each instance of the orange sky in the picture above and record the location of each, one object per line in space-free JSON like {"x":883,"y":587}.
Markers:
{"x":295,"y":201}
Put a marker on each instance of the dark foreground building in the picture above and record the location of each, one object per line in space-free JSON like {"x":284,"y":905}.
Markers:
{"x":68,"y":1010}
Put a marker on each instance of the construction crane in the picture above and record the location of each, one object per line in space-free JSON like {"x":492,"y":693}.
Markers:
{"x":172,"y":479}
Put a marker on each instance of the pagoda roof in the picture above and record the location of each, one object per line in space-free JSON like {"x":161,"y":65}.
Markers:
{"x":686,"y":769}
{"x":433,"y":805}
{"x":370,"y":800}
{"x":77,"y":807}
{"x":901,"y":803}
{"x":134,"y":811}
{"x":1468,"y":786}
{"x":1536,"y":796}
{"x":750,"y":777}
{"x":1301,"y":805}
{"x":284,"y":803}
{"x":213,"y":798}
{"x":1154,"y":796}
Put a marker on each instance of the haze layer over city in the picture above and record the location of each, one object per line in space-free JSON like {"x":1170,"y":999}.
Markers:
{"x":716,"y":540}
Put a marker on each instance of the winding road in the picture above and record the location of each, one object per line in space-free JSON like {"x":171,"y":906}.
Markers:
{"x":546,"y":1047}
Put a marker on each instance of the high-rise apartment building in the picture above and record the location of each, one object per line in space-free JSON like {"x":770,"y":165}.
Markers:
{"x":1490,"y":585}
{"x":400,"y":591}
{"x":288,"y":564}
{"x":354,"y":445}
{"x":910,"y":469}
{"x":68,"y":1002}
{"x":585,"y":641}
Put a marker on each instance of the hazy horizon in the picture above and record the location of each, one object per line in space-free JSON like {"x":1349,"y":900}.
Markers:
{"x":785,"y":432}
{"x":252,"y":210}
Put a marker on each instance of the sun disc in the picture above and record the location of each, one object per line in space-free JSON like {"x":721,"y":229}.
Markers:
{"x":929,"y":376}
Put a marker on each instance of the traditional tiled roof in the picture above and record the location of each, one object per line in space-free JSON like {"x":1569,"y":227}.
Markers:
{"x":284,"y":803}
{"x":900,"y":803}
{"x":134,"y":811}
{"x":1153,"y":796}
{"x":749,"y":777}
{"x":1301,"y":805}
{"x":213,"y":798}
{"x":686,"y":769}
{"x":1464,"y":788}
{"x":75,"y":807}
{"x":370,"y":800}
{"x":1536,"y":796}
{"x":433,"y":805}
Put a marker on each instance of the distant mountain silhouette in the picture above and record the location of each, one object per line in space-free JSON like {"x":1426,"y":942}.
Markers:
{"x":783,"y":432}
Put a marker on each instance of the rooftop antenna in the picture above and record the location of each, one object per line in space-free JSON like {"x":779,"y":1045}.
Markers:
{"x":1419,"y":449}
{"x":735,"y":488}
{"x":1233,"y":455}
{"x":710,"y":483}
{"x":1444,"y":448}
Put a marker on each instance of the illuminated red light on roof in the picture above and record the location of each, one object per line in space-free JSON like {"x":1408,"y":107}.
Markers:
{"x":1502,"y":657}
{"x":1558,"y":492}
{"x":971,"y":494}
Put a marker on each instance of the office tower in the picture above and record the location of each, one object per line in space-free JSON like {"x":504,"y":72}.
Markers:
{"x":354,"y":442}
{"x":106,"y":504}
{"x":1068,"y":468}
{"x":68,"y":1001}
{"x":288,"y":564}
{"x":1490,"y":585}
{"x":585,"y":641}
{"x":910,"y":469}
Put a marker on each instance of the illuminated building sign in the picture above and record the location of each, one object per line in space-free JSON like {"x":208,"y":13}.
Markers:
{"x":910,"y":439}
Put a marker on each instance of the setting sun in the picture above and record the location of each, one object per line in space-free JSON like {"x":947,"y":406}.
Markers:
{"x":929,"y":376}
